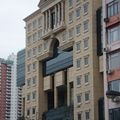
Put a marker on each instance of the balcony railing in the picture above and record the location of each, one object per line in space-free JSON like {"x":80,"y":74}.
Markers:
{"x":59,"y":27}
{"x":60,"y":113}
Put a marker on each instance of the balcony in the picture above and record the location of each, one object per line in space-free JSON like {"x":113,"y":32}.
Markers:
{"x":50,"y":32}
{"x":60,"y":113}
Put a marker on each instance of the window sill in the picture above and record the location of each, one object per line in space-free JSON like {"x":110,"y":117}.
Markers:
{"x":85,"y":31}
{"x":86,"y":48}
{"x":86,"y":102}
{"x":78,"y":86}
{"x":70,"y":7}
{"x":78,"y":34}
{"x":34,"y":85}
{"x":70,"y":38}
{"x":86,"y":83}
{"x":33,"y":100}
{"x":86,"y":13}
{"x":28,"y":87}
{"x":86,"y":65}
{"x":78,"y":68}
{"x":70,"y":22}
{"x":79,"y":104}
{"x":78,"y":3}
{"x":77,"y":18}
{"x":78,"y":51}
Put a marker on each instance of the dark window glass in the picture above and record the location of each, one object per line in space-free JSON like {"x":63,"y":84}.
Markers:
{"x":112,"y":8}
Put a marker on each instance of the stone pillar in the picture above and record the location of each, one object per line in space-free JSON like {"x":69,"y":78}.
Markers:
{"x":55,"y":15}
{"x":49,"y":19}
{"x":62,"y":12}
{"x":55,"y":94}
{"x":46,"y":19}
{"x":44,"y":22}
{"x":59,"y":13}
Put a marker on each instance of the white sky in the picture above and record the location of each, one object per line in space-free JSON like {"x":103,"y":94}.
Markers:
{"x":12,"y":33}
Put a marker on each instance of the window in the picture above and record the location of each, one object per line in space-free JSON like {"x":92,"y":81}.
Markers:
{"x":113,"y":8}
{"x":40,"y":21}
{"x":78,"y":46}
{"x":34,"y":24}
{"x":114,"y":34}
{"x":86,"y":26}
{"x":28,"y":53}
{"x":85,"y":8}
{"x":114,"y":114}
{"x":40,"y":48}
{"x":34,"y":65}
{"x":70,"y":3}
{"x":28,"y":68}
{"x":114,"y":85}
{"x":86,"y":60}
{"x":79,"y":98}
{"x":86,"y":77}
{"x":34,"y":95}
{"x":77,"y":29}
{"x":87,"y":96}
{"x":33,"y":110}
{"x":29,"y":27}
{"x":45,"y":45}
{"x":29,"y":39}
{"x":78,"y":78}
{"x":86,"y":43}
{"x":71,"y":33}
{"x":34,"y":80}
{"x":34,"y":37}
{"x":87,"y":115}
{"x":39,"y":34}
{"x":114,"y":61}
{"x":28,"y":82}
{"x":78,"y":63}
{"x":79,"y":116}
{"x":28,"y":97}
{"x":28,"y":112}
{"x":78,"y":12}
{"x":70,"y":16}
{"x":34,"y":51}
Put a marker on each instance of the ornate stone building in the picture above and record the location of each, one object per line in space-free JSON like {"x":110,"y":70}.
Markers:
{"x":62,"y":70}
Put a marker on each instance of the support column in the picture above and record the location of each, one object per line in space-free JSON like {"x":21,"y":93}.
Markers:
{"x":55,"y":94}
{"x":62,"y":12}
{"x":44,"y":22}
{"x":49,"y":19}
{"x":58,"y":13}
{"x":55,"y":16}
{"x":46,"y":19}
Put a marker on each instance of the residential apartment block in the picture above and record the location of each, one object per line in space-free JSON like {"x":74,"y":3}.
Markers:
{"x":62,"y":78}
{"x":20,"y":83}
{"x":5,"y":88}
{"x":111,"y":58}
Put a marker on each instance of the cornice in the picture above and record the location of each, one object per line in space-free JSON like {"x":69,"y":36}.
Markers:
{"x":32,"y":15}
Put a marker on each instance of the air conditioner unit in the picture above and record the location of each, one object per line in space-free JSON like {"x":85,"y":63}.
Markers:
{"x":106,"y":19}
{"x":110,"y":71}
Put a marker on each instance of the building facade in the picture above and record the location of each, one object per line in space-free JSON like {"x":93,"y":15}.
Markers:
{"x":20,"y":82}
{"x":111,"y":58}
{"x":62,"y":78}
{"x":13,"y":101}
{"x":5,"y":88}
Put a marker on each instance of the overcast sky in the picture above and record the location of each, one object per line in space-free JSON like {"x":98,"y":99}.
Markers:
{"x":12,"y":33}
